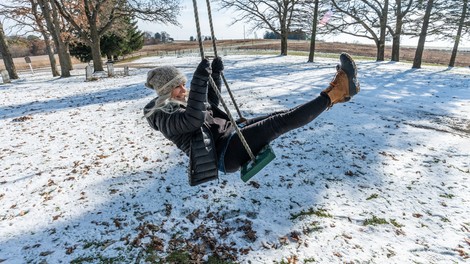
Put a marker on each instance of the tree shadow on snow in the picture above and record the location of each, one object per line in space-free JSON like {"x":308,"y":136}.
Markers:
{"x":123,"y":93}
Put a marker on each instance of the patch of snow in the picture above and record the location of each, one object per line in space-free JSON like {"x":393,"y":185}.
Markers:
{"x":383,"y":178}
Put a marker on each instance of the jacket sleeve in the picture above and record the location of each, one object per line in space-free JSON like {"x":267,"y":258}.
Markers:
{"x":191,"y":118}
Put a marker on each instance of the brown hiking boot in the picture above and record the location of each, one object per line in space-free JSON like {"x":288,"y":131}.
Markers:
{"x":344,"y":85}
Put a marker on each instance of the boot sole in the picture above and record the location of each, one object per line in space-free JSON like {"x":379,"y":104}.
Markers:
{"x":349,"y":67}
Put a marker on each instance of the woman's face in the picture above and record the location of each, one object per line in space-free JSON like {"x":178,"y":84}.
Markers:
{"x":179,"y":93}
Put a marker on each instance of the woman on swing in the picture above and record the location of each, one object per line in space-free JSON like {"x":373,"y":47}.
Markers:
{"x":198,"y":127}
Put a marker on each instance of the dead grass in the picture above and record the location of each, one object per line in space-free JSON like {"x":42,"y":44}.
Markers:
{"x":433,"y":56}
{"x":37,"y":62}
{"x":430,"y":56}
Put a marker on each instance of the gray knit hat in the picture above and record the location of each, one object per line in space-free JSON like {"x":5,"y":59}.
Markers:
{"x":163,"y":79}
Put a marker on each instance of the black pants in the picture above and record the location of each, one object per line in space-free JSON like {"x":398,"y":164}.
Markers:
{"x":260,"y":131}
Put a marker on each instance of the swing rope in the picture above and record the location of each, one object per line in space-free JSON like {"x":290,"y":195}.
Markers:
{"x":209,"y":13}
{"x":214,"y":46}
{"x":214,"y":86}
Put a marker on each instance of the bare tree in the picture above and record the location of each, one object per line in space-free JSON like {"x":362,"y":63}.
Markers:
{"x":91,"y":19}
{"x":26,"y":14}
{"x":313,"y":37}
{"x":41,"y":16}
{"x":400,"y":10}
{"x":51,"y":17}
{"x":422,"y":37}
{"x":274,"y":15}
{"x":6,"y":55}
{"x":462,"y":23}
{"x":38,"y":18}
{"x":362,"y":18}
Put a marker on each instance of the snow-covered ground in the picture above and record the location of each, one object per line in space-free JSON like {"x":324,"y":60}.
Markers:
{"x":381,"y":179}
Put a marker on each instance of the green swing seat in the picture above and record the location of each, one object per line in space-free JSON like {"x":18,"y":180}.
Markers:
{"x":251,"y":168}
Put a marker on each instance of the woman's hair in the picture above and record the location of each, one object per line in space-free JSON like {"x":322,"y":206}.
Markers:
{"x":168,"y":106}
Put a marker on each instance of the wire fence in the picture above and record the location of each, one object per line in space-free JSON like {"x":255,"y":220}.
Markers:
{"x":195,"y":53}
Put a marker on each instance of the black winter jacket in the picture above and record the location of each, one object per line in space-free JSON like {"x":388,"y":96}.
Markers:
{"x":189,"y":129}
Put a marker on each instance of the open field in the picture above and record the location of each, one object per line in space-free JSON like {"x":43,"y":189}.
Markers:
{"x":431,"y":56}
{"x":36,"y":62}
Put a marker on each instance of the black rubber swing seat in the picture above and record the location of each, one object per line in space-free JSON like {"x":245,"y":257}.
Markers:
{"x":251,"y":168}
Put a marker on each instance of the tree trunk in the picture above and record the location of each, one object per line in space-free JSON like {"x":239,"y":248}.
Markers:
{"x":54,"y":28}
{"x":6,"y":55}
{"x":383,"y":32}
{"x":50,"y":53}
{"x":61,"y":48}
{"x":397,"y":35}
{"x":459,"y":34}
{"x":67,"y":52}
{"x":381,"y":50}
{"x":422,"y":37}
{"x":96,"y":51}
{"x":283,"y":42}
{"x":46,"y":36}
{"x":396,"y":48}
{"x":314,"y":33}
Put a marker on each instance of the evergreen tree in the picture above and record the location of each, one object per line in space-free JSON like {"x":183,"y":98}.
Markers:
{"x":135,"y":38}
{"x":271,"y":35}
{"x":158,"y":37}
{"x":81,"y":51}
{"x":113,"y":44}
